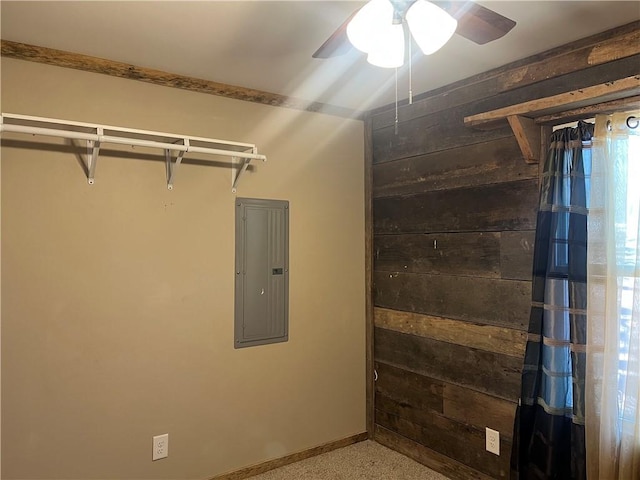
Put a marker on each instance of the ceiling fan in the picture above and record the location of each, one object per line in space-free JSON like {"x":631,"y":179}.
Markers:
{"x":430,"y":23}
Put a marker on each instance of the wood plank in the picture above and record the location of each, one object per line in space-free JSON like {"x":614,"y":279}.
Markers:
{"x":288,"y":459}
{"x":504,"y":206}
{"x":581,"y":113}
{"x":597,"y":75}
{"x":426,"y":456}
{"x":486,"y":372}
{"x":615,"y":47}
{"x":505,"y":341}
{"x":620,"y":47}
{"x":60,"y":58}
{"x":612,"y":90}
{"x":484,"y":163}
{"x":476,"y":254}
{"x":487,"y":301}
{"x":432,"y":133}
{"x":463,"y":443}
{"x":457,"y":403}
{"x":558,"y":62}
{"x":479,"y":409}
{"x":516,"y":254}
{"x":409,"y":388}
{"x":545,"y":142}
{"x":368,"y":275}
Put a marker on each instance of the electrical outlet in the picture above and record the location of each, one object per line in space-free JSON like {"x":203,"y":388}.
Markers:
{"x":160,"y":446}
{"x":493,"y":441}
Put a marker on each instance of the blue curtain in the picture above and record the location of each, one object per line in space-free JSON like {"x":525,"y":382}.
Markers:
{"x":549,"y":438}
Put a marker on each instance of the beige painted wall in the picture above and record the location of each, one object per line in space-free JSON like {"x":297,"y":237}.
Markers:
{"x":117,"y":298}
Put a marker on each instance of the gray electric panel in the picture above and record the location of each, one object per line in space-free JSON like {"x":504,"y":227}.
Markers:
{"x":262,"y":272}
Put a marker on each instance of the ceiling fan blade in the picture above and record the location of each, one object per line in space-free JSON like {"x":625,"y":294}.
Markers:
{"x":338,"y":43}
{"x":477,"y":23}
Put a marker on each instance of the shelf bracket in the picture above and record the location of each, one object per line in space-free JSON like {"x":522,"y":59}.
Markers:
{"x":528,"y":134}
{"x":172,"y":166}
{"x":93,"y":150}
{"x":238,"y":167}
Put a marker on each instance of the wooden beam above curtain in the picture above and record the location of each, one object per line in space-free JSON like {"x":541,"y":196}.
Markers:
{"x":525,"y":118}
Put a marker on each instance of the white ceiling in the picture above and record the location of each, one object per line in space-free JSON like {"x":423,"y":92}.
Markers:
{"x":268,"y":45}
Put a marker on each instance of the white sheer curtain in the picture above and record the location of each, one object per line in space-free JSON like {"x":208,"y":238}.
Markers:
{"x":613,"y":337}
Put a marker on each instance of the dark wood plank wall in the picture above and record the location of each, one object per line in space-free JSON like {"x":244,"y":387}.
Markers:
{"x":454,"y":213}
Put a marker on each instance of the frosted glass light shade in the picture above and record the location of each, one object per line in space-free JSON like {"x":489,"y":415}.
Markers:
{"x":388,"y":47}
{"x":365,"y":26}
{"x":430,"y":26}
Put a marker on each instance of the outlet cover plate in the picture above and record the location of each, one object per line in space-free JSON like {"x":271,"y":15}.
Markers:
{"x":493,"y":441}
{"x":160,"y":446}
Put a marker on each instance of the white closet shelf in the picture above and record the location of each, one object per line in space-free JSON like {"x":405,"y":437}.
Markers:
{"x":241,"y":154}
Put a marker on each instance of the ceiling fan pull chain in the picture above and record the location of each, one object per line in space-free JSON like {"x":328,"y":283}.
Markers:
{"x":396,"y":122}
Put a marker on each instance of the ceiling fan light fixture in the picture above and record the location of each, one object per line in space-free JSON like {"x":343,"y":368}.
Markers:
{"x":430,"y":26}
{"x":365,"y":26}
{"x":388,"y":47}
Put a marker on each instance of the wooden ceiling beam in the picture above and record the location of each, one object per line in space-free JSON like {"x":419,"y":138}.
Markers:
{"x":61,"y":58}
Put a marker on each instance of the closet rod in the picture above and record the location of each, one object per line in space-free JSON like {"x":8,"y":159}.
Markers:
{"x":102,"y":134}
{"x":94,"y":137}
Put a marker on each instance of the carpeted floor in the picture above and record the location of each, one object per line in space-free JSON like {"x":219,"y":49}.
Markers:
{"x":363,"y":461}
